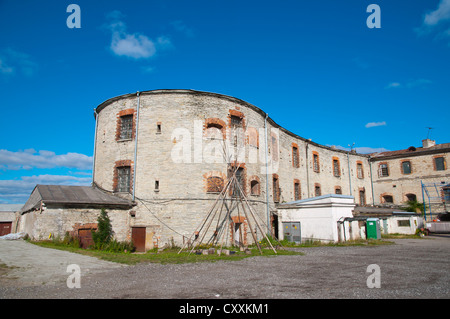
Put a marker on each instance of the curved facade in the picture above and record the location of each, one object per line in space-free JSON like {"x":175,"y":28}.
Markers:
{"x":164,"y":149}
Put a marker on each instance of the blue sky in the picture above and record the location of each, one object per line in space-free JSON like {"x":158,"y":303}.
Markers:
{"x":314,"y":66}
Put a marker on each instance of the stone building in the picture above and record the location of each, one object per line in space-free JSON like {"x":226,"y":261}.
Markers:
{"x":170,"y":153}
{"x":398,"y":175}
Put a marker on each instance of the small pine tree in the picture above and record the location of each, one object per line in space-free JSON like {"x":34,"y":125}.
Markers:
{"x":104,"y":233}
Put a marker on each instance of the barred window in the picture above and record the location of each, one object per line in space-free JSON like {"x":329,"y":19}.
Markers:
{"x":383,"y":170}
{"x":123,"y":181}
{"x":295,"y":160}
{"x":126,"y":127}
{"x":336,"y":169}
{"x":316,"y":163}
{"x":297,"y":193}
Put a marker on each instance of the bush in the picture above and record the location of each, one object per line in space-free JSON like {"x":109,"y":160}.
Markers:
{"x":104,"y":233}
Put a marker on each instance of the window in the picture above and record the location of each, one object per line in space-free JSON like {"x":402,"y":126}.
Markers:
{"x":411,"y":197}
{"x":297,"y":192}
{"x":316,"y":166}
{"x":156,"y":185}
{"x":317,"y":190}
{"x":383,"y":170}
{"x":359,"y":170}
{"x":439,"y":163}
{"x":254,"y":188}
{"x":123,"y":179}
{"x":235,"y":191}
{"x":336,"y":167}
{"x":388,"y":199}
{"x":126,"y":127}
{"x":236,"y":130}
{"x":214,"y":184}
{"x":403,"y":223}
{"x":338,"y":190}
{"x":362,"y":197}
{"x":406,"y":167}
{"x":158,"y":128}
{"x":295,"y":157}
{"x":276,"y":189}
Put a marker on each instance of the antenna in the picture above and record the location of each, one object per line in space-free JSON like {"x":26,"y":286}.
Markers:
{"x":429,"y":130}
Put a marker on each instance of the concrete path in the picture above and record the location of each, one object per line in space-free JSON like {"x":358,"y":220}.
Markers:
{"x":25,"y":264}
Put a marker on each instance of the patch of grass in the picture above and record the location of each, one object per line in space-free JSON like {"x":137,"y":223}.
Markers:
{"x":400,"y":236}
{"x":166,"y":256}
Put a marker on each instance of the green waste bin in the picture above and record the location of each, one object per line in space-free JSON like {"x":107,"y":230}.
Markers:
{"x":373,"y":228}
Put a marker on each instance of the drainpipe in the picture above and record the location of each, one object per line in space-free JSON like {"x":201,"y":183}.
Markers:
{"x":95,"y":145}
{"x":267,"y":176}
{"x":349,"y":175}
{"x":307,"y":171}
{"x":135,"y":146}
{"x":371,"y":181}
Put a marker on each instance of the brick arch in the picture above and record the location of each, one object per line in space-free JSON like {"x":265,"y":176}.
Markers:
{"x":217,"y":123}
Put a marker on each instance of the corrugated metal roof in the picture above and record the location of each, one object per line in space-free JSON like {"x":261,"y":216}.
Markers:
{"x":72,"y":196}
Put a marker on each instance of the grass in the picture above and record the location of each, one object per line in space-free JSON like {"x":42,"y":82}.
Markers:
{"x":167,"y":256}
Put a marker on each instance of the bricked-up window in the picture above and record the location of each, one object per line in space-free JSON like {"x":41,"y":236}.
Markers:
{"x":406,"y":167}
{"x":383,"y":170}
{"x":295,"y":157}
{"x":255,"y":188}
{"x":214,"y":184}
{"x":316,"y":166}
{"x":123,"y":178}
{"x":359,"y":170}
{"x":439,"y":163}
{"x":126,"y":127}
{"x":297,"y":191}
{"x":276,"y":188}
{"x":336,"y":167}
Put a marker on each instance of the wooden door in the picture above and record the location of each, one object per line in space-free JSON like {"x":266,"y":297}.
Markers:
{"x":138,"y":237}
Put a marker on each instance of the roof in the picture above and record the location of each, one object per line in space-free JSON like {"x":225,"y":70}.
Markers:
{"x":73,"y":196}
{"x":374,"y":211}
{"x":10,"y":207}
{"x":327,"y":199}
{"x":412,"y":151}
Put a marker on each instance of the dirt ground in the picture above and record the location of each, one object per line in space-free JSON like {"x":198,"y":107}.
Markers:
{"x":411,"y":268}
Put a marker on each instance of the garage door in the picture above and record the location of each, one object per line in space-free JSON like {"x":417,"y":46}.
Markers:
{"x":5,"y":228}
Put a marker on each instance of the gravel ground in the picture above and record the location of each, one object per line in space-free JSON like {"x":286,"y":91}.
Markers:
{"x":412,"y":268}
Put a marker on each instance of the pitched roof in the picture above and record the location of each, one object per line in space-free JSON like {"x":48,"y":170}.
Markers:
{"x":413,"y":151}
{"x":73,"y":196}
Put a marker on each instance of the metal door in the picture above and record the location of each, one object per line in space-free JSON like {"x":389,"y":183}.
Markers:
{"x":292,"y":231}
{"x":85,"y":237}
{"x":5,"y":228}
{"x":138,"y":237}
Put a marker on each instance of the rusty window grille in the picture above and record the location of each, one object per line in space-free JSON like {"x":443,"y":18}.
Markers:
{"x":316,"y":162}
{"x":123,"y":181}
{"x":215,"y":184}
{"x":126,"y":127}
{"x":297,"y":194}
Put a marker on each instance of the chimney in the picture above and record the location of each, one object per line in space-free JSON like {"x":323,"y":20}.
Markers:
{"x":428,"y":143}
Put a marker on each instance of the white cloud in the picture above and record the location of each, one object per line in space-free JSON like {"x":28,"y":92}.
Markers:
{"x":13,"y":62}
{"x":409,"y":84}
{"x":437,"y":22}
{"x":362,"y":150}
{"x":29,"y":158}
{"x":439,"y":15}
{"x":375,"y":124}
{"x":132,"y":45}
{"x":18,"y":191}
